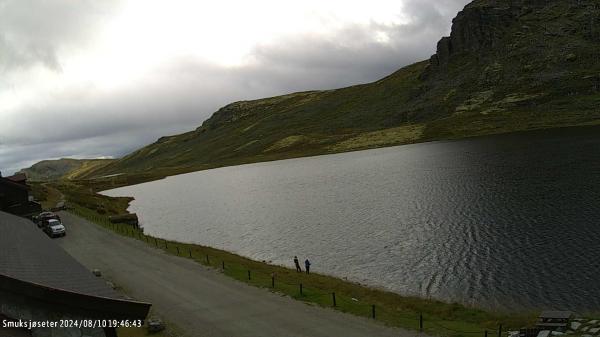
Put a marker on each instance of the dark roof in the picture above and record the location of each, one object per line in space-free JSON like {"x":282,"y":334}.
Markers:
{"x":18,"y":178}
{"x":34,"y":266}
{"x":9,"y":182}
{"x":27,"y":254}
{"x":556,"y":314}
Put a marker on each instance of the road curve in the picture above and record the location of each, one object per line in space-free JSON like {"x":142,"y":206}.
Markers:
{"x":201,"y":301}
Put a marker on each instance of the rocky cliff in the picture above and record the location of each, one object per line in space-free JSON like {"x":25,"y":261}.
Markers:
{"x":507,"y":66}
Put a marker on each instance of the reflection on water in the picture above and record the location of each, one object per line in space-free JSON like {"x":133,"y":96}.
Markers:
{"x":505,"y":221}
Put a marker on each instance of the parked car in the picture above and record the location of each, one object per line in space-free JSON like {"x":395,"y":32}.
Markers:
{"x":44,"y":217}
{"x":54,"y":228}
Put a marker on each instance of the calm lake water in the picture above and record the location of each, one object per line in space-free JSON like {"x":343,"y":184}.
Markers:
{"x":508,"y":221}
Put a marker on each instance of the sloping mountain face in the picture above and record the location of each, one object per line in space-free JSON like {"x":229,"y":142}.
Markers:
{"x":507,"y":66}
{"x":48,"y":170}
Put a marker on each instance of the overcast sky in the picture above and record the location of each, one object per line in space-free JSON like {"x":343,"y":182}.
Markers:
{"x":100,"y":78}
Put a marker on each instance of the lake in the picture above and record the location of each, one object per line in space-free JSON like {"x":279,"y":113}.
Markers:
{"x":506,"y":222}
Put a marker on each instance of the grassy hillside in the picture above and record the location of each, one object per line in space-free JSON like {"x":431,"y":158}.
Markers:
{"x":525,"y":65}
{"x":65,"y":168}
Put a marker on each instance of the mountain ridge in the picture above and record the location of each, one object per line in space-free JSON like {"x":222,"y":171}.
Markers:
{"x":64,"y":168}
{"x":506,"y":66}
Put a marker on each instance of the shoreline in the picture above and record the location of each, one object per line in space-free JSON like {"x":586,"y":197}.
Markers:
{"x":439,"y":318}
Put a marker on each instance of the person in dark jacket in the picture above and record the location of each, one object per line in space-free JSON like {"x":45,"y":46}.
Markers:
{"x":297,"y":263}
{"x":307,"y":266}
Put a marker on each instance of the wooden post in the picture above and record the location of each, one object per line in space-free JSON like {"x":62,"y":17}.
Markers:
{"x":272,"y":281}
{"x":373,"y":311}
{"x":177,"y":250}
{"x":485,"y":333}
{"x":207,"y":260}
{"x":223,"y":265}
{"x":190,"y":252}
{"x":420,"y":322}
{"x":300,"y":288}
{"x":334,"y":302}
{"x":249,"y":277}
{"x":500,"y":330}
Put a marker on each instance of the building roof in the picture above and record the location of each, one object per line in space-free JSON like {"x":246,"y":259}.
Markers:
{"x":18,"y":178}
{"x":28,"y":256}
{"x":9,"y":182}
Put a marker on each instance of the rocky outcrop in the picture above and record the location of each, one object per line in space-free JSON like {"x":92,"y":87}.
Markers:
{"x":481,"y":26}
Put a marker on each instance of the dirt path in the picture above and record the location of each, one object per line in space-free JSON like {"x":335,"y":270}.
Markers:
{"x":201,"y":301}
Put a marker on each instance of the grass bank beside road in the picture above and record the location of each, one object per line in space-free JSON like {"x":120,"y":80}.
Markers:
{"x":439,"y":318}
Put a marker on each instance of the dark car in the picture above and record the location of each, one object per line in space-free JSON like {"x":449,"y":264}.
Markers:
{"x":44,"y":217}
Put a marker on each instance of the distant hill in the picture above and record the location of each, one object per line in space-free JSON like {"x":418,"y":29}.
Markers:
{"x":507,"y":66}
{"x":65,"y":168}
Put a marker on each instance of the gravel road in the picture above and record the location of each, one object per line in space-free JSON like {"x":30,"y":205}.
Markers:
{"x":201,"y":301}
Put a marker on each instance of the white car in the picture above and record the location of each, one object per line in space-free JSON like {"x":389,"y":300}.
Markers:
{"x":54,"y":228}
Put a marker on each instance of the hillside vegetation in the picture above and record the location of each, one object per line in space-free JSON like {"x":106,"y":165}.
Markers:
{"x":507,"y":66}
{"x":65,"y":168}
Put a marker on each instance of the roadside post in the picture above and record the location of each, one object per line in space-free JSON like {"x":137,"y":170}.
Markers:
{"x":334,"y":302}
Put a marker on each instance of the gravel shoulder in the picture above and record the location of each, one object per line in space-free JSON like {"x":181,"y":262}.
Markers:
{"x":201,"y":301}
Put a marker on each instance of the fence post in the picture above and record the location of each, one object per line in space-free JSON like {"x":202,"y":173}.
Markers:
{"x":207,"y":260}
{"x":486,"y":333}
{"x":177,"y":250}
{"x":272,"y":281}
{"x":166,"y":246}
{"x":334,"y":302}
{"x":373,"y":311}
{"x":300,"y":288}
{"x":500,"y":330}
{"x":421,"y":322}
{"x":155,"y":242}
{"x":249,"y":278}
{"x":223,"y":265}
{"x":190,"y":252}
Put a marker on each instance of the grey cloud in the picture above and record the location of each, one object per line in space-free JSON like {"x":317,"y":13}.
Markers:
{"x":33,"y":31}
{"x":180,"y":94}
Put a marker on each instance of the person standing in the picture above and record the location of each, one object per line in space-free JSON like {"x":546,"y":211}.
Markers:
{"x":297,"y":263}
{"x":307,"y":266}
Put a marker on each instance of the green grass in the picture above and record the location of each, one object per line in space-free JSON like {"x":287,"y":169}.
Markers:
{"x":440,"y":318}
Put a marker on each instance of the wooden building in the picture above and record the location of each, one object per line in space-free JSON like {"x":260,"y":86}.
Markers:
{"x":15,"y":196}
